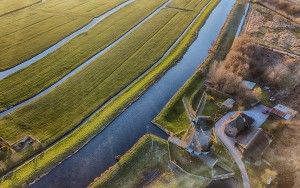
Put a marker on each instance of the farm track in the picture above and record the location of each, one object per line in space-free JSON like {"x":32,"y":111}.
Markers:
{"x":234,"y":152}
{"x":79,"y":68}
{"x":84,"y":29}
{"x":290,"y":18}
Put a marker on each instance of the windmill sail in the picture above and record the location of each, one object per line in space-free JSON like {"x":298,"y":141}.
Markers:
{"x":201,"y":104}
{"x":189,"y":110}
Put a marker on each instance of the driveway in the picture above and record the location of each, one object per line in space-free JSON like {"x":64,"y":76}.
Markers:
{"x":257,"y":115}
{"x":229,"y":144}
{"x":259,"y":119}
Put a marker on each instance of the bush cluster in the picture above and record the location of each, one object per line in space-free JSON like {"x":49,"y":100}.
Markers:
{"x":247,"y":60}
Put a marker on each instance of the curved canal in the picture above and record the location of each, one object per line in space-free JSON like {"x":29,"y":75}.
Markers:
{"x":99,"y":154}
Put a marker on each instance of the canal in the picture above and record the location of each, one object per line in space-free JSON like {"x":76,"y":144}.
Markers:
{"x":99,"y":154}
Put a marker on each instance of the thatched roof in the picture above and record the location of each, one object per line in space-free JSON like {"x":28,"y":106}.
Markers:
{"x":238,"y":123}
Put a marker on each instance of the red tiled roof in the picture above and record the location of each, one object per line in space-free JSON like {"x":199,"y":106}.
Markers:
{"x":278,"y":112}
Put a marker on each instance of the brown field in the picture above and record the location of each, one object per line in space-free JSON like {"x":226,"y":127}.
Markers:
{"x":273,"y":29}
{"x":287,"y":8}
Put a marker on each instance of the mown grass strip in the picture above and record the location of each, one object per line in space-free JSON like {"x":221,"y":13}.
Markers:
{"x":173,"y":118}
{"x":81,"y":136}
{"x":52,"y":68}
{"x":32,"y":30}
{"x":83,"y":93}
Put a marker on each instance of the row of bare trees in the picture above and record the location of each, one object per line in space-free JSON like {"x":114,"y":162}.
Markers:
{"x":287,"y":6}
{"x":247,"y":60}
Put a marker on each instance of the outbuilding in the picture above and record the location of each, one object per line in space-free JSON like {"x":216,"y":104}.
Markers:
{"x":228,"y":103}
{"x":283,"y":112}
{"x":248,"y":84}
{"x":23,"y":143}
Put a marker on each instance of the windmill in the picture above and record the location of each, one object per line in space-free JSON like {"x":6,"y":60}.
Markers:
{"x":200,"y":140}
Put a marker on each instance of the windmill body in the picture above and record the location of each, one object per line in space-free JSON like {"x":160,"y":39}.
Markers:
{"x":201,"y":138}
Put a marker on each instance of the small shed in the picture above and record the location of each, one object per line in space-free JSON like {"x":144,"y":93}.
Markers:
{"x":248,"y":84}
{"x":23,"y":143}
{"x":228,"y":103}
{"x":283,"y":112}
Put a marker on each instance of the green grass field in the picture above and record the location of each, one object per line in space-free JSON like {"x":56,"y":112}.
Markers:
{"x":51,"y":68}
{"x":72,"y":142}
{"x":82,"y":93}
{"x":9,"y":6}
{"x":147,"y":164}
{"x":29,"y":31}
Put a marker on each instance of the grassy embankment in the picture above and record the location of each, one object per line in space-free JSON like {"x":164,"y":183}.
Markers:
{"x":173,"y":118}
{"x":50,"y":69}
{"x":29,"y":31}
{"x":41,"y":163}
{"x":9,"y":6}
{"x":150,"y":153}
{"x":147,"y":164}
